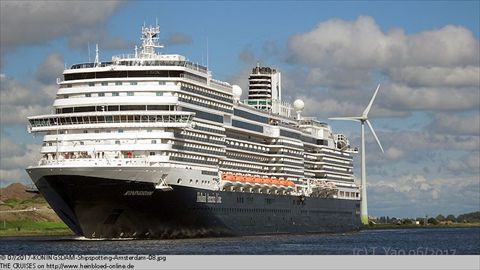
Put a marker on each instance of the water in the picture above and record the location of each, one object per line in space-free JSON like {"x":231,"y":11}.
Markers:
{"x":443,"y":241}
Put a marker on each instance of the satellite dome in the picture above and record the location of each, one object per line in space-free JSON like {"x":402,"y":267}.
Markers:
{"x":298,"y":105}
{"x":236,"y":91}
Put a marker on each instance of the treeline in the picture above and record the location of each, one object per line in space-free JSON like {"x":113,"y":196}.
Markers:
{"x":469,"y":217}
{"x":473,"y":217}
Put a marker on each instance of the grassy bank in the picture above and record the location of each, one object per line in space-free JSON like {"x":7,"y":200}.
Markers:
{"x":412,"y":226}
{"x":31,"y":227}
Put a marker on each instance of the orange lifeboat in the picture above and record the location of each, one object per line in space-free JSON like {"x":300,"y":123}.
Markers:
{"x":275,"y":182}
{"x":257,"y":180}
{"x":268,"y":181}
{"x":290,"y":184}
{"x":248,"y":179}
{"x":283,"y":182}
{"x":238,"y":178}
{"x":224,"y":177}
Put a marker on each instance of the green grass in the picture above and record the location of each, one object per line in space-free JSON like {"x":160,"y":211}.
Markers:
{"x":30,"y":227}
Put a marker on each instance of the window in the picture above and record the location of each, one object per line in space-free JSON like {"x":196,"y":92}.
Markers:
{"x":101,"y":94}
{"x":88,"y":95}
{"x":154,"y":141}
{"x":104,"y":83}
{"x":91,"y":84}
{"x":161,"y":83}
{"x":159,"y":94}
{"x":65,"y":96}
{"x":117,"y":142}
{"x":118,"y":83}
{"x":152,"y":153}
{"x":120,"y":131}
{"x":133,"y":83}
{"x":115,"y":94}
{"x":130,"y":94}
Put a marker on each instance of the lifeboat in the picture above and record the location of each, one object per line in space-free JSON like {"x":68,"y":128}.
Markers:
{"x":290,"y":184}
{"x":257,"y":180}
{"x":238,"y":178}
{"x":275,"y":182}
{"x":267,"y":181}
{"x":283,"y":182}
{"x":249,"y":179}
{"x":228,"y":177}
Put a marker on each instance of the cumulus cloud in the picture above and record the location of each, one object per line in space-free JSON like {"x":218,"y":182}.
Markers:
{"x":428,"y":76}
{"x":51,"y":68}
{"x":86,"y":36}
{"x":179,"y":39}
{"x":456,"y":124}
{"x":362,"y":44}
{"x":18,"y":100}
{"x":14,"y":158}
{"x":394,"y":153}
{"x":417,"y":195}
{"x":431,"y":70}
{"x":403,"y":97}
{"x":37,"y":22}
{"x":247,"y":56}
{"x":429,"y":140}
{"x":468,"y":164}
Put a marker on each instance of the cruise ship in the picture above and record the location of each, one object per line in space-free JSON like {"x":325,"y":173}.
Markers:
{"x":150,"y":145}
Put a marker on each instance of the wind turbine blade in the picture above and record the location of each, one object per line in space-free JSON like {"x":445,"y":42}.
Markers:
{"x":375,"y":135}
{"x":367,"y":110}
{"x":345,"y":118}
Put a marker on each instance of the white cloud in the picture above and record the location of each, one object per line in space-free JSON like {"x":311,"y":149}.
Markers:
{"x":178,"y":39}
{"x":428,"y":76}
{"x":36,"y":22}
{"x":51,"y":68}
{"x":100,"y":36}
{"x":457,"y":124}
{"x":361,"y":44}
{"x":468,"y":164}
{"x":403,"y":97}
{"x":394,"y":153}
{"x":18,"y":100}
{"x":14,"y":158}
{"x":434,"y":70}
{"x":417,"y":195}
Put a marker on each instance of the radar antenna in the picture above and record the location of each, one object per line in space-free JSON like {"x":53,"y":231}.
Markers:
{"x":150,"y":40}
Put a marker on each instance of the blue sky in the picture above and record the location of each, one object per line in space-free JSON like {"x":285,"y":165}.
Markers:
{"x":332,"y":54}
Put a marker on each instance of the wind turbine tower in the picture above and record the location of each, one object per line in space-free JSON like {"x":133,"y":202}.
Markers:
{"x":363,"y":119}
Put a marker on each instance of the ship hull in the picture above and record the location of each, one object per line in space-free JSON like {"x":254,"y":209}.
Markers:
{"x":110,"y":208}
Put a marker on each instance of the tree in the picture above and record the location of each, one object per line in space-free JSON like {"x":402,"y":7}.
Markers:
{"x":451,"y":218}
{"x":432,"y":221}
{"x":407,"y":221}
{"x":440,"y":217}
{"x":469,"y":217}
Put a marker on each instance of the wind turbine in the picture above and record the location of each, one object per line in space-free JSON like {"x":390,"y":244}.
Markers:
{"x":363,"y":119}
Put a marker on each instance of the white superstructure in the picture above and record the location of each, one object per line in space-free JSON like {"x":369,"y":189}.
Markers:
{"x":161,"y":118}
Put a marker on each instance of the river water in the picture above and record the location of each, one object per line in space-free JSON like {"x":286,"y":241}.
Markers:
{"x":439,"y":241}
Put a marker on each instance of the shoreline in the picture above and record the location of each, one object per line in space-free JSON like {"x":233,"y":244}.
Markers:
{"x":14,"y":232}
{"x":410,"y":226}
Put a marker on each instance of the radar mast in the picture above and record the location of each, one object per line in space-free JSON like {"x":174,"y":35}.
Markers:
{"x":150,"y":39}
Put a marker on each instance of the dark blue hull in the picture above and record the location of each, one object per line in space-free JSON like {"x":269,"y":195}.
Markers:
{"x":107,"y":208}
